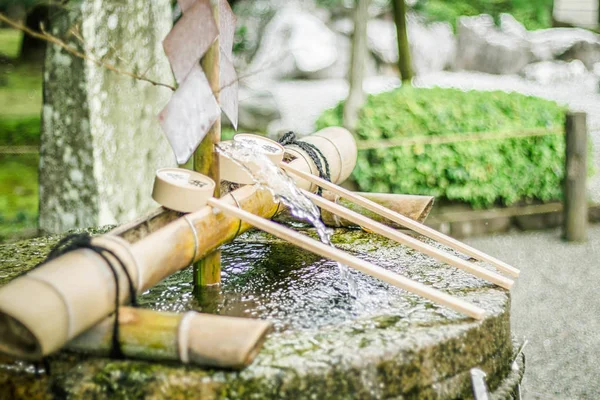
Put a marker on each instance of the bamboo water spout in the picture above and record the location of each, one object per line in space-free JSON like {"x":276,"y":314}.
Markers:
{"x":44,"y":309}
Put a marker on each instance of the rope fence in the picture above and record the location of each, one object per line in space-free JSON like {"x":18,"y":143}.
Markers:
{"x":400,"y":142}
{"x":18,"y":150}
{"x":458,"y":138}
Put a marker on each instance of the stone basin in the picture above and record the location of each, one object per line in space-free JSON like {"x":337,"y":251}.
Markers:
{"x":383,"y":344}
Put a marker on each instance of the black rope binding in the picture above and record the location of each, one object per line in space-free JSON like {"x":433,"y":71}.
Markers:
{"x":84,"y":241}
{"x":313,"y":152}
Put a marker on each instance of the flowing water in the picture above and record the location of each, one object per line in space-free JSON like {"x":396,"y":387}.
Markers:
{"x":250,"y":156}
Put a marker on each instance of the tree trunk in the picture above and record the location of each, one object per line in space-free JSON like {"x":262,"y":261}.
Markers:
{"x":404,"y":64}
{"x":356,"y":96}
{"x":32,"y":49}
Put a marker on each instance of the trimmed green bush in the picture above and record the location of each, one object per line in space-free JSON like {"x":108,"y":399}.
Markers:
{"x":534,"y":14}
{"x":482,"y":173}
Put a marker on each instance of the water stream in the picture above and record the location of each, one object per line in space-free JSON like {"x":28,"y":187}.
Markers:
{"x":251,"y":157}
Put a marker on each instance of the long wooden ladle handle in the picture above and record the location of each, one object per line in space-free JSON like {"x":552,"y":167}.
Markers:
{"x":411,"y":242}
{"x":332,"y":253}
{"x":404,"y":221}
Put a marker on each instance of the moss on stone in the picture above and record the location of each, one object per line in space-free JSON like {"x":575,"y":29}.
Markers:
{"x":417,"y":350}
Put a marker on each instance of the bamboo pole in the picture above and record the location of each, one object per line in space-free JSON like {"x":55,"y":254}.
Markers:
{"x":45,"y":308}
{"x":404,"y":62}
{"x":191,"y":338}
{"x":411,"y":242}
{"x":402,"y":220}
{"x":366,"y":267}
{"x":206,"y":161}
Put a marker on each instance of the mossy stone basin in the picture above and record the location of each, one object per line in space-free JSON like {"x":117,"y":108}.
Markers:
{"x":383,"y":344}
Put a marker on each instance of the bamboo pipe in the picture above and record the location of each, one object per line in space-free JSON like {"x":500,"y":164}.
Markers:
{"x":191,"y":338}
{"x":44,"y":309}
{"x":402,"y":220}
{"x":347,"y":259}
{"x":410,"y":241}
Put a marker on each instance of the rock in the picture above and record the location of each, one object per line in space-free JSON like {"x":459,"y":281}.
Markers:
{"x":548,"y":44}
{"x":101,"y":142}
{"x":432,"y":46}
{"x":295,"y":44}
{"x":345,"y":26}
{"x":484,"y":47}
{"x":512,"y":27}
{"x":586,"y":52}
{"x":257,"y":109}
{"x":341,"y":67}
{"x":547,"y":72}
{"x":382,"y":40}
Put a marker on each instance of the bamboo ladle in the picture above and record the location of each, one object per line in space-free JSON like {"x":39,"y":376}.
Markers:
{"x":399,"y":237}
{"x":186,"y":191}
{"x":402,"y":220}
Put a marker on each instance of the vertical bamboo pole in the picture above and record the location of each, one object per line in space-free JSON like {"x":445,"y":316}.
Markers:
{"x":575,"y":192}
{"x":360,"y":52}
{"x":404,"y":64}
{"x":206,"y":161}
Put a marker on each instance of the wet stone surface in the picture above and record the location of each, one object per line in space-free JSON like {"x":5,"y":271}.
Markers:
{"x":385,"y":343}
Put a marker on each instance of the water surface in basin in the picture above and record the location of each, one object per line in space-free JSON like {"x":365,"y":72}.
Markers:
{"x":291,"y":287}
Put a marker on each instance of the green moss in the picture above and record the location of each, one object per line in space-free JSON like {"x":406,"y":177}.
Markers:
{"x":483,"y":173}
{"x":123,"y":380}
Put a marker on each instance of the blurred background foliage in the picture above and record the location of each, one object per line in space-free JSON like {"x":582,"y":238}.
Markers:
{"x":21,"y":99}
{"x":483,"y":173}
{"x":534,"y":14}
{"x":20,"y":107}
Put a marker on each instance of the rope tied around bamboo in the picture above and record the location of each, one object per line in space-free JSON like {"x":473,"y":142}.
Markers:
{"x":317,"y":157}
{"x":85,"y":241}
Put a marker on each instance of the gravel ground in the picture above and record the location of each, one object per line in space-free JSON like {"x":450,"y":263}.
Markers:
{"x":556,"y":307}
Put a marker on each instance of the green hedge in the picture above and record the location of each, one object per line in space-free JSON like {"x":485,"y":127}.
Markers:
{"x":482,"y":173}
{"x":534,"y":14}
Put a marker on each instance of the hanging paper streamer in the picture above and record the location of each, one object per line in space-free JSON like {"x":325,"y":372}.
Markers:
{"x":193,"y":108}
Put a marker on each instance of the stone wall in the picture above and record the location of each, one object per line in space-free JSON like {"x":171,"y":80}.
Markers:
{"x":101,"y":142}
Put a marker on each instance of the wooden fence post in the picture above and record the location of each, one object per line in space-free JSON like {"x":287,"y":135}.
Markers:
{"x":575,"y":191}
